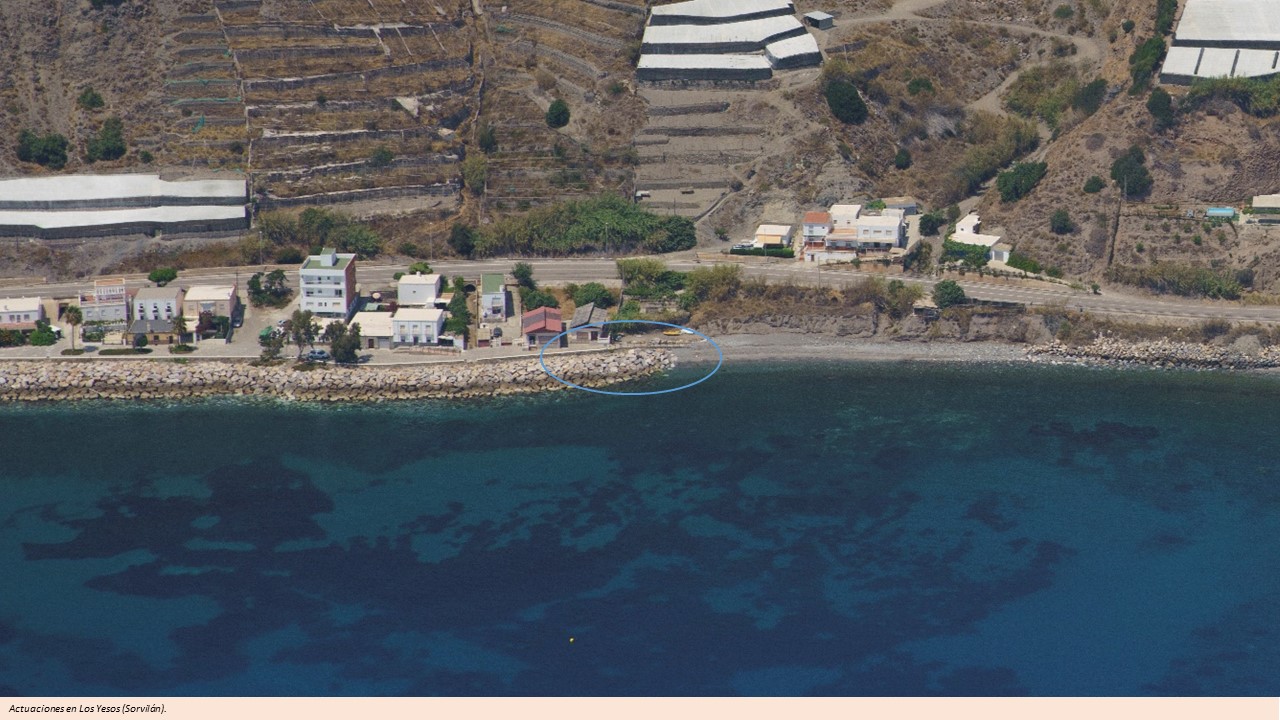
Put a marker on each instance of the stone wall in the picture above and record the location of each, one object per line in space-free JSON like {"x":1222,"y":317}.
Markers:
{"x":96,"y":379}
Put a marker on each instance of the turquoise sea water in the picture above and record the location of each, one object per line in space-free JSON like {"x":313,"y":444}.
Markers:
{"x":834,"y":529}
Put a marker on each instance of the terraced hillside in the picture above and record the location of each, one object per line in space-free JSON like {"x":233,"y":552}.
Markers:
{"x":540,"y":53}
{"x":350,"y":102}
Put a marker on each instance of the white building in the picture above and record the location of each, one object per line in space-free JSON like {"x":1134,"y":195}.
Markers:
{"x":21,"y":313}
{"x":419,"y":290}
{"x":107,"y":302}
{"x":967,"y":232}
{"x":157,"y":303}
{"x":328,"y":284}
{"x":816,"y":227}
{"x":852,"y":228}
{"x":417,"y":326}
{"x":375,"y":329}
{"x":494,"y":298}
{"x":773,"y":236}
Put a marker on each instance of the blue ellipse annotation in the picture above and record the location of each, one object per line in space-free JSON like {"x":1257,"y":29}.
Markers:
{"x":704,"y":378}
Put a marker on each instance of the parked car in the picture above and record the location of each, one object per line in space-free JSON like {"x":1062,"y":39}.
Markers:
{"x":318,"y":356}
{"x":743,"y":246}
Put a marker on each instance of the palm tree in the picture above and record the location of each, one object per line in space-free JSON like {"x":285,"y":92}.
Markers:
{"x":74,"y":317}
{"x":179,"y":326}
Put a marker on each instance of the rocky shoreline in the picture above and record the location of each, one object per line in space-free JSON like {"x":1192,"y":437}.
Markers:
{"x":70,"y":380}
{"x":1166,"y":354}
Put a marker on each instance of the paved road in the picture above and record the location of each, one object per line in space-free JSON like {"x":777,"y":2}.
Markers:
{"x":559,"y":271}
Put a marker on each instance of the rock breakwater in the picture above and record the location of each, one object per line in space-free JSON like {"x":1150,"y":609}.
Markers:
{"x":145,"y":380}
{"x":1161,"y":354}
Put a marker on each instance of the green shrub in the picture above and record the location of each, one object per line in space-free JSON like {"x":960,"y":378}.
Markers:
{"x":918,"y":85}
{"x":534,"y":299}
{"x":1022,"y":262}
{"x":605,"y":223}
{"x":1064,"y":12}
{"x":1089,"y":97}
{"x":1165,"y":10}
{"x":1182,"y":280}
{"x":1094,"y":184}
{"x":948,"y":293}
{"x":127,"y":351}
{"x":594,"y":292}
{"x":558,"y":114}
{"x":931,"y":222}
{"x":146,"y":157}
{"x":902,"y":160}
{"x":90,"y":99}
{"x":381,"y":157}
{"x":1016,"y":183}
{"x":1130,"y":173}
{"x":163,"y":276}
{"x":48,"y":150}
{"x":845,"y":102}
{"x":1060,"y":222}
{"x":1127,"y":26}
{"x":1143,"y":62}
{"x":1260,"y":98}
{"x":764,"y":252}
{"x":1160,"y":105}
{"x":971,"y":255}
{"x":487,"y":139}
{"x":108,"y":143}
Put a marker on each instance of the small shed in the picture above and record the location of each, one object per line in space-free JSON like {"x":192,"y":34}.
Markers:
{"x":820,"y":20}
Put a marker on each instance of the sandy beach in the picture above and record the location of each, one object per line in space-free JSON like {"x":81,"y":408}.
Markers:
{"x":792,"y":347}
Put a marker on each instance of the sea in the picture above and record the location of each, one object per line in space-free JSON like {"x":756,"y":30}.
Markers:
{"x":841,"y":528}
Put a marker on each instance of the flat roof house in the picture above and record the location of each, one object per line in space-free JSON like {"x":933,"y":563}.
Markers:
{"x":416,"y":326}
{"x":773,"y":236}
{"x":21,"y":313}
{"x":107,"y":302}
{"x":542,"y":324}
{"x":967,"y":233}
{"x":816,"y":226}
{"x":494,"y":298}
{"x":375,"y":329}
{"x":1266,"y":208}
{"x":820,"y":20}
{"x":328,"y":284}
{"x":418,"y":290}
{"x":218,"y":300}
{"x":854,"y":229}
{"x":157,"y":303}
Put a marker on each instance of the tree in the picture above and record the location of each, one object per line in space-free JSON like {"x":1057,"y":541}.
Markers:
{"x":947,"y":293}
{"x":109,"y":143}
{"x":487,"y":139}
{"x":1160,"y":105}
{"x":381,"y":157}
{"x":1130,"y":173}
{"x":357,"y":239}
{"x":594,"y":292}
{"x":1060,"y":222}
{"x":459,"y":322}
{"x":474,"y":171}
{"x":902,"y":160}
{"x":1089,"y":98}
{"x":673,"y":233}
{"x":344,"y":342}
{"x":845,"y":102}
{"x":558,"y":114}
{"x":74,"y":318}
{"x":179,"y":325}
{"x":140,"y":340}
{"x":163,"y":276}
{"x":930,"y":222}
{"x":420,"y":267}
{"x":1094,"y":184}
{"x":1143,"y":62}
{"x":90,"y":99}
{"x":1016,"y":183}
{"x":523,"y":273}
{"x":462,"y":239}
{"x":534,"y":299}
{"x":48,"y":150}
{"x":301,"y":330}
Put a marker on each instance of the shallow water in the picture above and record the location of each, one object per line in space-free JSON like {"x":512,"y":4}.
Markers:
{"x":838,"y":529}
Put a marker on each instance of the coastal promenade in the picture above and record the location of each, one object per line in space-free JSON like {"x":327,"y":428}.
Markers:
{"x":579,"y":270}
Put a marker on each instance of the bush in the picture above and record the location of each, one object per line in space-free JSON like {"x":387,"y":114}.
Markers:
{"x":918,"y":85}
{"x":1181,"y":280}
{"x":1260,"y":98}
{"x":1064,"y":12}
{"x":146,"y":157}
{"x":1143,"y":62}
{"x":1060,"y":222}
{"x":487,"y":139}
{"x":140,"y":350}
{"x":1127,"y":26}
{"x":971,"y":255}
{"x":163,"y":276}
{"x":1130,"y":174}
{"x":534,"y":299}
{"x":558,"y":114}
{"x":99,"y":4}
{"x":462,"y":239}
{"x":47,"y":150}
{"x":1016,"y":183}
{"x":1165,"y":10}
{"x":289,"y":256}
{"x":930,"y":222}
{"x":1094,"y":184}
{"x":475,"y":171}
{"x":605,"y":223}
{"x":108,"y":144}
{"x":90,"y":99}
{"x":1089,"y":97}
{"x":948,"y":293}
{"x":845,"y":102}
{"x":1160,"y":105}
{"x":902,"y":160}
{"x":1022,"y":262}
{"x":381,"y":157}
{"x":765,"y":252}
{"x":594,"y":292}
